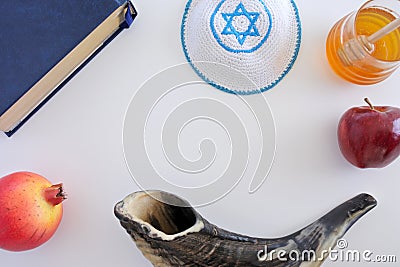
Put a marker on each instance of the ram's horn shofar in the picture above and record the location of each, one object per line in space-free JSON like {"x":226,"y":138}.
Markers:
{"x":176,"y":235}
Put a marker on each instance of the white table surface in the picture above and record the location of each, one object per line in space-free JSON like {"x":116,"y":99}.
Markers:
{"x":76,"y":138}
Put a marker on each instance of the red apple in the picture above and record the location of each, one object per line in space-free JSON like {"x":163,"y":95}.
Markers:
{"x":30,"y":210}
{"x":368,"y":136}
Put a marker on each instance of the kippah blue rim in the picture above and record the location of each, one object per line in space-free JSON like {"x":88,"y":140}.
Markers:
{"x":257,"y":91}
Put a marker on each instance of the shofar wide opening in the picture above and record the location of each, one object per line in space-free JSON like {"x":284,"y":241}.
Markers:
{"x":167,"y":218}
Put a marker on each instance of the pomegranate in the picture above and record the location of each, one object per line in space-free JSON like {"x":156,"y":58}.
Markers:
{"x":30,"y":210}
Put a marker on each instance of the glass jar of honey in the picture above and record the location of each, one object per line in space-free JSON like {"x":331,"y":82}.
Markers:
{"x":368,"y":66}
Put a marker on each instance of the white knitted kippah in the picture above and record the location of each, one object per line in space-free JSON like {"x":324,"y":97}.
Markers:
{"x":258,"y":38}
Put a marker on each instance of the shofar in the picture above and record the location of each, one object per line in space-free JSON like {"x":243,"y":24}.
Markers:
{"x":169,"y":232}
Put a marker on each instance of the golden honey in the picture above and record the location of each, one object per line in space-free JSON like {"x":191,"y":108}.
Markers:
{"x":378,"y":64}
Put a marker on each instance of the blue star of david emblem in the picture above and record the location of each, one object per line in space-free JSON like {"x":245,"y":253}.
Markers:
{"x":241,"y":35}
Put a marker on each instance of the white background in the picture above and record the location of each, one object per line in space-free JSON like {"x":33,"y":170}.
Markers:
{"x":76,"y":138}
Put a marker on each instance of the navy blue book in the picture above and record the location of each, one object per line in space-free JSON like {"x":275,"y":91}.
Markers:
{"x":43,"y":43}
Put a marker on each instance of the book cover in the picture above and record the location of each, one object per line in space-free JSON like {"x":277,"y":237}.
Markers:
{"x":37,"y":35}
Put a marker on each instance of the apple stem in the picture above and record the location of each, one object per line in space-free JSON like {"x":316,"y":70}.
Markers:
{"x":369,"y":103}
{"x":55,"y":194}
